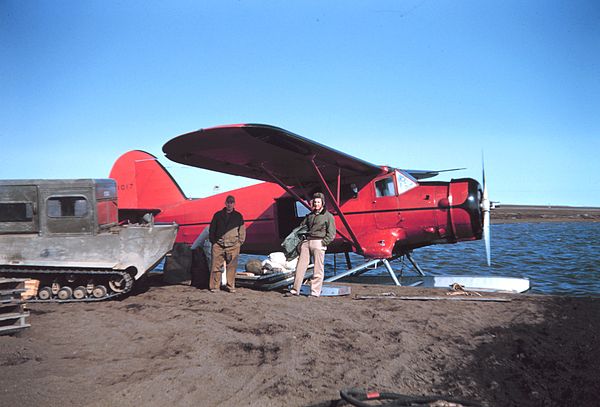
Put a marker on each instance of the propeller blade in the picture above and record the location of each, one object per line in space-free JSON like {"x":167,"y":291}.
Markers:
{"x":486,"y":237}
{"x":485,"y":209}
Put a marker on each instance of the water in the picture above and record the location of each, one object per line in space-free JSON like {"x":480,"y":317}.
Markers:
{"x":558,"y":258}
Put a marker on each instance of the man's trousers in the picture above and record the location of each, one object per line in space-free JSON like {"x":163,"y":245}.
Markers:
{"x":219,"y":256}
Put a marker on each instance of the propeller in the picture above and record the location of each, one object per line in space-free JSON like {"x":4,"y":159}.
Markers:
{"x":485,"y":209}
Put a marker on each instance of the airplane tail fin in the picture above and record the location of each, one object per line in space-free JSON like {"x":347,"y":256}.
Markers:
{"x":143,"y":183}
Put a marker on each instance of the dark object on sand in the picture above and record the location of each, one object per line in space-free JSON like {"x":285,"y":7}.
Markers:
{"x":200,"y":270}
{"x":254,"y":266}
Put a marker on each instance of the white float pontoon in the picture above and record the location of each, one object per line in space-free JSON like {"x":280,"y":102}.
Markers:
{"x":480,"y":283}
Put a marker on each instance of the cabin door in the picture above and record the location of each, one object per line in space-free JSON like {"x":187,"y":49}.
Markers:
{"x":385,"y":203}
{"x":289,"y":215}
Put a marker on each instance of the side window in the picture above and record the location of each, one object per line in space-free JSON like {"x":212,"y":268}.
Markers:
{"x":405,"y":182}
{"x":107,"y":212}
{"x":385,"y":187}
{"x":16,"y":212}
{"x":301,"y":210}
{"x":348,"y":191}
{"x":67,"y":206}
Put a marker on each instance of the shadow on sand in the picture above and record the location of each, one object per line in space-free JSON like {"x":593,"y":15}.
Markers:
{"x":551,"y":362}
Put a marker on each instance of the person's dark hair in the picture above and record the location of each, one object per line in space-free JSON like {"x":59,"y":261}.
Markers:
{"x":230,"y":199}
{"x":319,"y":195}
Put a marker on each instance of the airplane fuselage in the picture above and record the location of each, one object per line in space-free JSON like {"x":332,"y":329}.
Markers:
{"x":389,"y":215}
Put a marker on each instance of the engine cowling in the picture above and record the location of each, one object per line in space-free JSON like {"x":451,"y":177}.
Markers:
{"x":465,"y":220}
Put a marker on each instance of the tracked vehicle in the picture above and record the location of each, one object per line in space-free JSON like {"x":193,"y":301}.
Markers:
{"x":66,"y":234}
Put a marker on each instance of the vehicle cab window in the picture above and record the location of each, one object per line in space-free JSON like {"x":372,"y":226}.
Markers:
{"x":67,"y":206}
{"x":16,"y":212}
{"x":69,"y":214}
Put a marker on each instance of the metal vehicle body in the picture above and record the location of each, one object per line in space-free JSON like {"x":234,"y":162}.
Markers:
{"x":66,"y":234}
{"x":380,"y":212}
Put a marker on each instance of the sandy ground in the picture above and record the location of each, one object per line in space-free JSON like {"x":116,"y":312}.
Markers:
{"x":180,"y":346}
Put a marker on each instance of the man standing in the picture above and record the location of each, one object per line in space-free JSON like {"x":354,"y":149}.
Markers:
{"x":321,"y":232}
{"x":227,"y":234}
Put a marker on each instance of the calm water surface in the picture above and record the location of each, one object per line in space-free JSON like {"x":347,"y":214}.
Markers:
{"x":558,"y":258}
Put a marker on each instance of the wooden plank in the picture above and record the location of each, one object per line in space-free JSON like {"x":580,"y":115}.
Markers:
{"x":12,"y":328}
{"x":14,"y":304}
{"x":11,"y":291}
{"x":426,"y":298}
{"x":11,"y":301}
{"x":14,"y":315}
{"x":6,"y":280}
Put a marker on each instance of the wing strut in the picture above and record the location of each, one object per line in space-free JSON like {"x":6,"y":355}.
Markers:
{"x":339,"y":183}
{"x":303,"y":202}
{"x":287,"y":189}
{"x":336,"y":205}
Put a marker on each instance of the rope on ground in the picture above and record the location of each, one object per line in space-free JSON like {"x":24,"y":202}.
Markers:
{"x":457,"y":289}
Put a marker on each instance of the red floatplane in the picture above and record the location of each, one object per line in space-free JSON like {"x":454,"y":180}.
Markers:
{"x":382,"y":213}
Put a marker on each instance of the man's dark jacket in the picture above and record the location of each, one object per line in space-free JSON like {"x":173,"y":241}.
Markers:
{"x":227,"y":229}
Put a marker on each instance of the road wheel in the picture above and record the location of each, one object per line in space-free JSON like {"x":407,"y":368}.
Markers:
{"x":45,"y":293}
{"x":117,"y":284}
{"x":65,"y":293}
{"x":79,"y":293}
{"x":99,"y":291}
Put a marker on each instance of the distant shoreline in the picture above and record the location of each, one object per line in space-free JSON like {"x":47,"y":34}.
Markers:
{"x":539,"y":213}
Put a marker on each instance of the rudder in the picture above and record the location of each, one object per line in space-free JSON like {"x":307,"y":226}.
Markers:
{"x":143,"y":183}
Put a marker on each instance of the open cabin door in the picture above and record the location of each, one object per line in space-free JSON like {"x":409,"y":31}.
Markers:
{"x":289,"y":214}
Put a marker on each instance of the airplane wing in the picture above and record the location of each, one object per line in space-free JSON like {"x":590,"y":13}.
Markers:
{"x":255,"y":150}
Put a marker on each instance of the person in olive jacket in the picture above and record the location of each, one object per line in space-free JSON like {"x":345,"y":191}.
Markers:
{"x":321,"y":232}
{"x":226,"y":234}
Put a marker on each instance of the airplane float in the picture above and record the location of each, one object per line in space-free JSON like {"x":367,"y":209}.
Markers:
{"x":381,"y":212}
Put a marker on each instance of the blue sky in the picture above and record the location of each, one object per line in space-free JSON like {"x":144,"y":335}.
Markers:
{"x":411,"y":84}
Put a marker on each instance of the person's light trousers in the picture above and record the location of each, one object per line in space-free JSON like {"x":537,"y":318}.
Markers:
{"x":316,"y":248}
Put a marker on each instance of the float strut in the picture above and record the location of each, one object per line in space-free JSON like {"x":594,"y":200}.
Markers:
{"x":386,"y":263}
{"x":348,"y":262}
{"x":414,"y":263}
{"x":363,"y":268}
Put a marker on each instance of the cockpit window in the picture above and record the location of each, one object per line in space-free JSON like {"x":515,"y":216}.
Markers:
{"x":385,"y":187}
